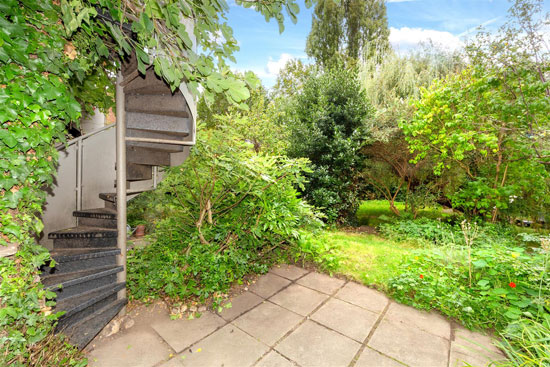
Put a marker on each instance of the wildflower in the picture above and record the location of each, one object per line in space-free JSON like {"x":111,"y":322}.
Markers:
{"x":515,"y":255}
{"x":512,"y":285}
{"x":421,"y":276}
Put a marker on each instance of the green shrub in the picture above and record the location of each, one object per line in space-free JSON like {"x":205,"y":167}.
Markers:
{"x":486,"y":286}
{"x":226,"y":212}
{"x":317,"y":249}
{"x":327,"y":121}
{"x":436,"y":232}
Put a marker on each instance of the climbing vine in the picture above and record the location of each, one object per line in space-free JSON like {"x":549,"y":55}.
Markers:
{"x":57,"y":58}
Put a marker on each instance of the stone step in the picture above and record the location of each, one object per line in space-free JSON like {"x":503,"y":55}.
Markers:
{"x":82,"y":305}
{"x":78,"y":259}
{"x":83,"y":236}
{"x":98,"y":217}
{"x":84,"y":331}
{"x":71,"y":284}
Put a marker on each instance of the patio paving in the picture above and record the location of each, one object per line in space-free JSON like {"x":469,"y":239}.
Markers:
{"x":292,"y":317}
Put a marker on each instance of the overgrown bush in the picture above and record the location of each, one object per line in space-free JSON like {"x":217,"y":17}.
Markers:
{"x":446,"y":232}
{"x":328,"y":124}
{"x":226,"y":211}
{"x":483,"y":286}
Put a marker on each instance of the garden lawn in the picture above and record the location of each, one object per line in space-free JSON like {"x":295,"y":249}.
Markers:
{"x":367,"y":258}
{"x":376,"y":212}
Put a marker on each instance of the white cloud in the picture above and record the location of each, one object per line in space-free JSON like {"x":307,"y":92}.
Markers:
{"x":273,"y":66}
{"x":406,"y":39}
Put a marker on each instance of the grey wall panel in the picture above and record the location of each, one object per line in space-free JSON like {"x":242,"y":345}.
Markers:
{"x":61,"y":200}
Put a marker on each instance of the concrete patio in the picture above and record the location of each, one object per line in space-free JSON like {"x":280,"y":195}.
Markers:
{"x":293,"y":317}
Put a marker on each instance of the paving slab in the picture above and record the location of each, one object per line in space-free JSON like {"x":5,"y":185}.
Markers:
{"x":431,"y":322}
{"x":274,"y":359}
{"x":410,"y":345}
{"x":291,"y":272}
{"x":471,"y":348}
{"x":312,"y":345}
{"x":321,"y":282}
{"x":299,"y":299}
{"x":227,"y":347}
{"x":182,"y":333}
{"x":372,"y":358}
{"x":362,"y":296}
{"x":137,"y":348}
{"x":461,"y":357}
{"x":240,"y":305}
{"x":268,"y":284}
{"x":268,"y":322}
{"x":352,"y":321}
{"x":471,"y":339}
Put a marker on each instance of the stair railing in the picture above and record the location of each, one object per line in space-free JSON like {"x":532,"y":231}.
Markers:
{"x":79,"y":143}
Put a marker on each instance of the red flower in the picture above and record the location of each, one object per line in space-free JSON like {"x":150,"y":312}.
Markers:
{"x":422,"y":277}
{"x":512,"y":285}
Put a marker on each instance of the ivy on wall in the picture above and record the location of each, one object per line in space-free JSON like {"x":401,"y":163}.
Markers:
{"x":55,"y":55}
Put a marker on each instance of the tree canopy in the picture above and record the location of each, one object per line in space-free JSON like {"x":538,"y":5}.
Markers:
{"x":353,"y":28}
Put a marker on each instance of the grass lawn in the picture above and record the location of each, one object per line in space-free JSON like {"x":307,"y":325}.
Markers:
{"x":367,"y":258}
{"x":375,"y":212}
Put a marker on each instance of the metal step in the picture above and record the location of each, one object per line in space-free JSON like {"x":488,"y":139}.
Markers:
{"x":150,"y":121}
{"x":137,"y":172}
{"x":71,"y":284}
{"x":167,"y":105}
{"x":82,"y":236}
{"x":82,"y":305}
{"x":79,"y":259}
{"x":148,"y":156}
{"x":84,"y":331}
{"x":99,"y":217}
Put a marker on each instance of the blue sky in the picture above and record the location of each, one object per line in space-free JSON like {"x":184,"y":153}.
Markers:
{"x":446,"y":22}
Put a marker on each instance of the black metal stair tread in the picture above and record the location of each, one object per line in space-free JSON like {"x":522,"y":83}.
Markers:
{"x":83,"y":232}
{"x":79,"y":302}
{"x":100,"y":213}
{"x":76,"y":277}
{"x":86,"y":329}
{"x":111,"y":196}
{"x":73,"y":254}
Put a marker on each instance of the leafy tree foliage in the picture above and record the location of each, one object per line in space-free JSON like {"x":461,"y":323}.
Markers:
{"x":327,"y":122}
{"x":354,"y":28}
{"x":390,"y":86}
{"x":491,"y":121}
{"x":225,"y":211}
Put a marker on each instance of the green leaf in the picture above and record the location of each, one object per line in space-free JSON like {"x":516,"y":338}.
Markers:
{"x":7,"y":138}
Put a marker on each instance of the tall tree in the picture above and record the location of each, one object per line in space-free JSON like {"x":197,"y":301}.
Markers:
{"x":353,"y":28}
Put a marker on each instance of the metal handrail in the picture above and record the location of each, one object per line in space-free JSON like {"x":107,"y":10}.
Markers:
{"x":84,"y":137}
{"x":79,"y":158}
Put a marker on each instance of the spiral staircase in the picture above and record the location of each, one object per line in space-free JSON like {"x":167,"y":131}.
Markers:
{"x":89,"y":258}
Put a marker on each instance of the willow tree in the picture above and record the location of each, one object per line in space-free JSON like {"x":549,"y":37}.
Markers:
{"x":390,"y":86}
{"x":353,"y":28}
